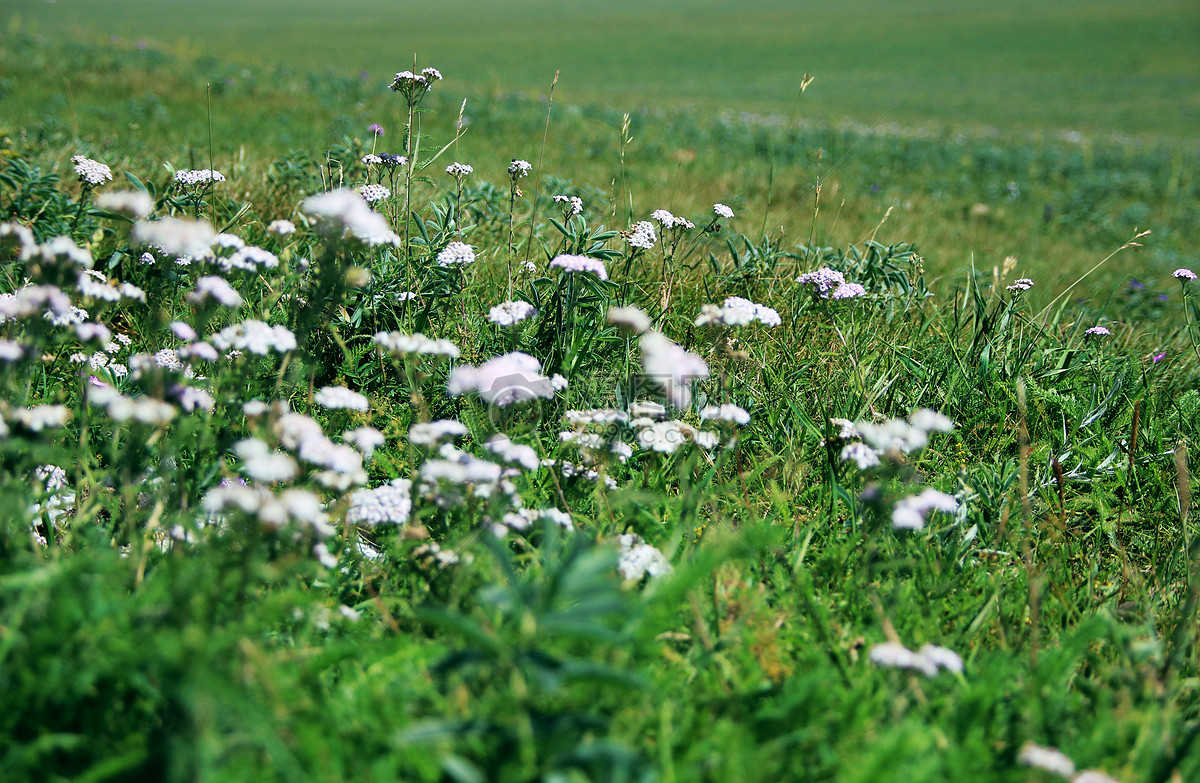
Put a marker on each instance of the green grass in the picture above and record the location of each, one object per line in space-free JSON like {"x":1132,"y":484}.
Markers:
{"x":229,"y":658}
{"x":1089,"y":65}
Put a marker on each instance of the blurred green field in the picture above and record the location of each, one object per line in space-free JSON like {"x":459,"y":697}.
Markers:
{"x":1092,"y":65}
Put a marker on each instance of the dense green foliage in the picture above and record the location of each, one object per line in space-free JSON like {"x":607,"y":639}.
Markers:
{"x":150,"y":637}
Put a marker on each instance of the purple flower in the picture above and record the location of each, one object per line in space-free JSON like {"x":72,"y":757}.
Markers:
{"x":99,"y":384}
{"x":1158,"y":357}
{"x":1183,"y":275}
{"x":1097,"y":331}
{"x":1137,"y":285}
{"x":376,"y":128}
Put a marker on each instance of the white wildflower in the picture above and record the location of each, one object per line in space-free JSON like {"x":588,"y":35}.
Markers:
{"x":198,"y":177}
{"x":860,"y":454}
{"x":434,"y":432}
{"x":456,"y":254}
{"x":515,"y":453}
{"x":1049,"y":759}
{"x":632,"y":319}
{"x":518,"y":169}
{"x":511,"y":313}
{"x":91,"y":172}
{"x":505,"y":380}
{"x":263,"y":464}
{"x":365,"y":439}
{"x":734,"y":414}
{"x":255,"y":337}
{"x":671,"y":367}
{"x":343,"y":213}
{"x":637,"y":559}
{"x":374,"y":193}
{"x":580,"y":264}
{"x":573,"y":205}
{"x":339,"y":397}
{"x":134,"y":204}
{"x":400,"y":344}
{"x":390,"y":503}
{"x":909,"y":513}
{"x":41,"y":417}
{"x":184,"y":238}
{"x":641,"y":235}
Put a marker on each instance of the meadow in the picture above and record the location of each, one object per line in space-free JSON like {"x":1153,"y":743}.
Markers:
{"x":655,"y":428}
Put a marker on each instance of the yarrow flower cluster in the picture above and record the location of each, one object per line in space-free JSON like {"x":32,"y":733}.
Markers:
{"x":1054,"y":760}
{"x":1183,"y":275}
{"x":929,"y":660}
{"x":524,"y":518}
{"x":184,"y":238}
{"x":909,"y":513}
{"x":632,"y":319}
{"x":511,"y":313}
{"x":143,"y":410}
{"x":291,"y":506}
{"x":91,"y":172}
{"x":505,"y":380}
{"x":900,"y":436}
{"x":637,"y":559}
{"x":432,"y":433}
{"x":722,"y":211}
{"x":256,"y":337}
{"x":733,"y":414}
{"x":17,"y":239}
{"x":249,"y":259}
{"x":373,"y":193}
{"x":669,"y":221}
{"x":641,"y":235}
{"x":134,"y":204}
{"x":1020,"y":285}
{"x":671,"y":367}
{"x":62,"y":251}
{"x":666,"y":437}
{"x":1097,"y":332}
{"x":390,"y":503}
{"x":216,"y":288}
{"x":459,"y":170}
{"x":736,"y":311}
{"x":400,"y":344}
{"x":341,"y":398}
{"x":41,"y":417}
{"x":572,"y":205}
{"x":443,"y":479}
{"x":341,"y":465}
{"x":413,"y":86}
{"x":456,"y":254}
{"x":365,"y":439}
{"x":580,"y":264}
{"x":518,"y":169}
{"x":263,"y":464}
{"x":198,"y":177}
{"x":345,"y":214}
{"x":831,"y":284}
